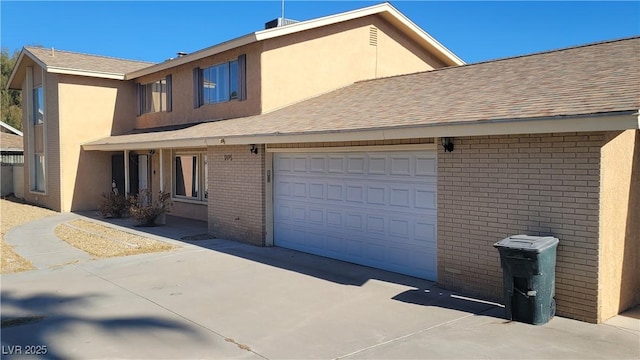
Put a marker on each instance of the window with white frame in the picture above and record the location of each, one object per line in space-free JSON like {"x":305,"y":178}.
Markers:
{"x":38,"y":105}
{"x":190,"y":179}
{"x":38,"y":182}
{"x":155,"y":96}
{"x":220,"y":83}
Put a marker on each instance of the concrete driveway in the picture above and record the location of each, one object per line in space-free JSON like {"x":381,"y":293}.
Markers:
{"x":221,"y":299}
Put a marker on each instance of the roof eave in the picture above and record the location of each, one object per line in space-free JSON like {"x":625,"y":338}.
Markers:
{"x":58,"y":70}
{"x":10,"y":84}
{"x":87,"y":73}
{"x":444,"y":54}
{"x":11,"y":128}
{"x":616,"y":121}
{"x":200,"y":54}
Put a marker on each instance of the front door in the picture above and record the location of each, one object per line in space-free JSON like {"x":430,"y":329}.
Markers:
{"x":117,"y":172}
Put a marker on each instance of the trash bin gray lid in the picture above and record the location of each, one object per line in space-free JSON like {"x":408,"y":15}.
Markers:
{"x":527,"y":243}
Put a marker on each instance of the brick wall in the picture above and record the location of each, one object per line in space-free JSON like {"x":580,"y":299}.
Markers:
{"x":544,"y":184}
{"x":236,"y":208}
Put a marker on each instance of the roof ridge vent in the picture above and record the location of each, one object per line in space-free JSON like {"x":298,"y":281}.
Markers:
{"x":277,"y":22}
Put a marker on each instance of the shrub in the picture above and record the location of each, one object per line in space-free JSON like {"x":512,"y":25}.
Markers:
{"x":144,"y":210}
{"x":113,"y":205}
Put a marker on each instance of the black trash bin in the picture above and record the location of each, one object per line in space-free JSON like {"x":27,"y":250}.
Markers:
{"x":529,"y":276}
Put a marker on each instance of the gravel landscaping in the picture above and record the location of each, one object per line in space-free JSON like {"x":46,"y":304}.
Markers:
{"x":15,"y":213}
{"x":104,"y":241}
{"x":98,"y":240}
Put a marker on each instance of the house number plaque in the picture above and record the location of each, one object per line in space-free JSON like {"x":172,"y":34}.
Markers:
{"x":228,"y":157}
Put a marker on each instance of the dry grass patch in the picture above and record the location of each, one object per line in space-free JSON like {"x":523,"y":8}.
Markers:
{"x":14,"y":214}
{"x":104,"y":242}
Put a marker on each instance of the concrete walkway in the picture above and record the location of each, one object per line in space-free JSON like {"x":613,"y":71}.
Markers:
{"x":220,"y":299}
{"x":37,"y":243}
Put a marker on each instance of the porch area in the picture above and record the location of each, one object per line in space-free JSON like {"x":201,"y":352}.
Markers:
{"x":176,"y":227}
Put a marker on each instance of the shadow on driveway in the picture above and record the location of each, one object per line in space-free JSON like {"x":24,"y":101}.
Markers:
{"x":424,"y":292}
{"x":34,"y":320}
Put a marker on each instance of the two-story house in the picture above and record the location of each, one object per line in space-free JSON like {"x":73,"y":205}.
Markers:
{"x":359,"y":137}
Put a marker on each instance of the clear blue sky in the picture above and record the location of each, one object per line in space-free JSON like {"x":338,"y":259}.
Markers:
{"x":156,"y":30}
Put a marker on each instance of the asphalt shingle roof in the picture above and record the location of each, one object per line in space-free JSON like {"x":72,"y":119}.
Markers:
{"x":85,"y":62}
{"x":591,"y":79}
{"x":10,"y":141}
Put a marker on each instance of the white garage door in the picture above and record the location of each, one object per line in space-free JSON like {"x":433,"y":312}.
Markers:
{"x":375,"y":208}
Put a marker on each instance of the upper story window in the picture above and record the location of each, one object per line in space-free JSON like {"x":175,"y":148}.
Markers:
{"x":155,"y":96}
{"x":38,"y":105}
{"x":220,"y":83}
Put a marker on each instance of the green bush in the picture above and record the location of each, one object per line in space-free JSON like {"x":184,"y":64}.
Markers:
{"x":144,"y":210}
{"x":113,"y":205}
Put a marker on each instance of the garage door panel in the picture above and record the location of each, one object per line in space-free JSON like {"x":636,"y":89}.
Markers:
{"x":355,"y":222}
{"x":425,"y":231}
{"x":284,"y":164}
{"x":356,"y":165}
{"x":376,"y":195}
{"x":377,"y":165}
{"x":376,"y":224}
{"x":336,"y":164}
{"x":335,"y":245}
{"x":334,"y":192}
{"x":300,"y":164}
{"x":376,"y":253}
{"x":401,"y":165}
{"x":355,"y":193}
{"x":316,"y":216}
{"x":425,"y":261}
{"x":424,"y":198}
{"x":399,"y":228}
{"x":334,"y":218}
{"x":353,"y":249}
{"x":317,"y":164}
{"x":299,"y":189}
{"x":283,"y":188}
{"x":425,"y":166}
{"x":399,"y":196}
{"x":299,"y":214}
{"x":283,"y":213}
{"x":375,"y":209}
{"x":316,"y":191}
{"x":398,"y":256}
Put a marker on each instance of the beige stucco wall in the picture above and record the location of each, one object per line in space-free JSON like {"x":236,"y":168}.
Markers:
{"x":294,"y":67}
{"x":89,"y":109}
{"x":313,"y":62}
{"x":491,"y":187}
{"x":619,"y":275}
{"x":183,"y":111}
